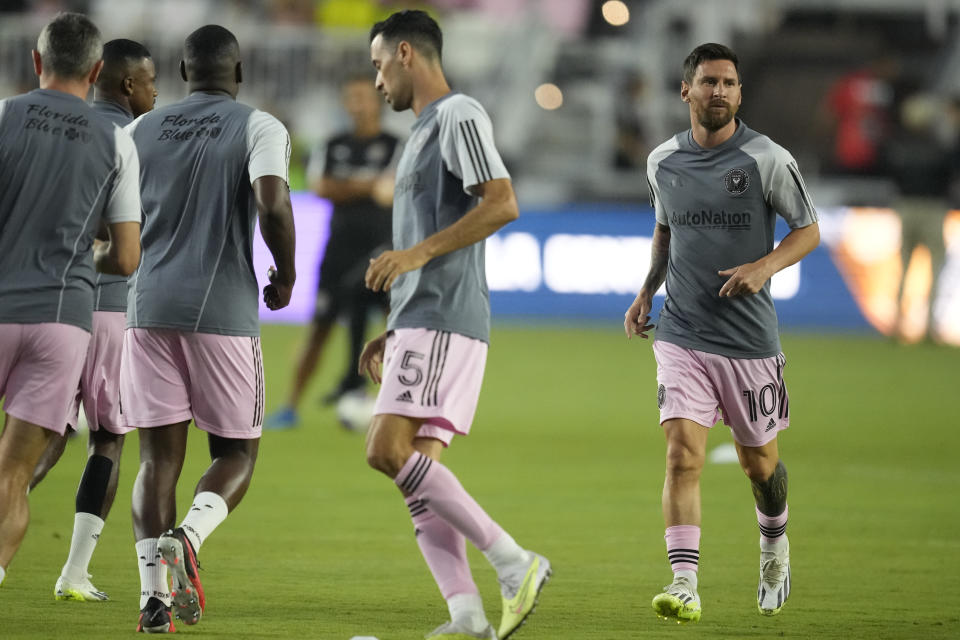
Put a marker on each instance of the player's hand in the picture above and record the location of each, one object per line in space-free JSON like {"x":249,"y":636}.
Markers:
{"x":745,"y":280}
{"x":636,"y":321}
{"x":277,"y":294}
{"x":371,"y":360}
{"x":389,"y":265}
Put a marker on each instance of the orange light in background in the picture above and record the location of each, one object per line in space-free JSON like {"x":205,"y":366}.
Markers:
{"x":869,"y":259}
{"x":548,"y":96}
{"x":616,"y":13}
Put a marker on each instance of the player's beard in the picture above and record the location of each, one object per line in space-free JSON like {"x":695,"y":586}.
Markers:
{"x":714,"y":120}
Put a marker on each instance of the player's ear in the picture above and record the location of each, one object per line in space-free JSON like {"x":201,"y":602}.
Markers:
{"x":37,"y":62}
{"x":95,"y":72}
{"x":684,"y":91}
{"x":126,"y":85}
{"x":404,"y":52}
{"x":239,"y":72}
{"x":183,"y":71}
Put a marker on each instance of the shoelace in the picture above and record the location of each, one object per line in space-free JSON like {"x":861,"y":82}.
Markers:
{"x":773,"y":571}
{"x":680,"y":585}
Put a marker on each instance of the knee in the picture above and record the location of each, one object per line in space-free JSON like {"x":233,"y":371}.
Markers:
{"x":110,"y":447}
{"x":683,"y":460}
{"x":384,"y":459}
{"x":759,"y":470}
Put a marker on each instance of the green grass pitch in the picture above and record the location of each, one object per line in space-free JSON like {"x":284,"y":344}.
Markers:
{"x":567,"y":455}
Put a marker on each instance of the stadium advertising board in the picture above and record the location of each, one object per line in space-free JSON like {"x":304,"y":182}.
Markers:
{"x":586,"y":264}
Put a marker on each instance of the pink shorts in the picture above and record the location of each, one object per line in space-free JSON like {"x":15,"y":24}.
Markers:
{"x":169,"y":376}
{"x":40,"y":367}
{"x":100,"y":382}
{"x":434,"y":375}
{"x":749,"y":393}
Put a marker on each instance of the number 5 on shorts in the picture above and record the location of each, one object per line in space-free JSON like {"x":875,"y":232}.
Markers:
{"x":408,"y":364}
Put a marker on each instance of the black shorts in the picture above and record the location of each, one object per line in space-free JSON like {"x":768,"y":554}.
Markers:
{"x":341,"y":284}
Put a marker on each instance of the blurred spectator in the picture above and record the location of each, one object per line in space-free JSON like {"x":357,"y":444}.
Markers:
{"x":922,"y":168}
{"x":860,"y":104}
{"x":632,"y":143}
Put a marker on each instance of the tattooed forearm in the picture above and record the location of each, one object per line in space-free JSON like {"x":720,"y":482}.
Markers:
{"x":659,"y":253}
{"x":771,"y":494}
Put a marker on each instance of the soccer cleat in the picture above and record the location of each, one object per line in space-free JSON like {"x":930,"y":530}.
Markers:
{"x":458,"y":631}
{"x":520,"y":601}
{"x":774,"y":577}
{"x":78,"y":591}
{"x":679,"y":601}
{"x":283,"y":418}
{"x":155,"y":618}
{"x":185,"y":587}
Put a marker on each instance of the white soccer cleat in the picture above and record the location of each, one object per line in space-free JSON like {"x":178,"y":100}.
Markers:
{"x":458,"y":631}
{"x":774,"y":577}
{"x":679,"y":601}
{"x":83,"y":591}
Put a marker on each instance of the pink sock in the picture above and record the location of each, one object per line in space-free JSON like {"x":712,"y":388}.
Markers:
{"x":683,"y":547}
{"x":445,"y":550}
{"x":438,"y":489}
{"x":772,"y":529}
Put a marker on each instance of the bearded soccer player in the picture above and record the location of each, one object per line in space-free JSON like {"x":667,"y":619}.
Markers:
{"x":452,"y":192}
{"x":191,"y":351}
{"x":717,"y":189}
{"x":63,"y":169}
{"x":124,"y":90}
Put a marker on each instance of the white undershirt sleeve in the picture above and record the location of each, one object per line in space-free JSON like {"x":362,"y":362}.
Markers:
{"x":123,"y":202}
{"x":269,"y":146}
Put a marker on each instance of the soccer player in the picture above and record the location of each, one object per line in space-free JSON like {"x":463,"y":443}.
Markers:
{"x":717,"y":189}
{"x":353,"y":171}
{"x":124,"y":90}
{"x":63,"y":168}
{"x":452,"y":192}
{"x":209,"y":164}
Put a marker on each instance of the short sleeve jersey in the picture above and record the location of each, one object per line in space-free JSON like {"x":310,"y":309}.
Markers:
{"x":63,"y":167}
{"x":360,"y":224}
{"x":110,"y":293}
{"x":199,"y":159}
{"x":450,"y":151}
{"x":721,"y":206}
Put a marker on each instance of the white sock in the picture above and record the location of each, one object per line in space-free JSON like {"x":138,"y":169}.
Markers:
{"x":2,"y":574}
{"x":86,"y":533}
{"x":206,"y":513}
{"x":467,"y":608}
{"x":508,"y":558}
{"x":688,"y":574}
{"x":153,"y":573}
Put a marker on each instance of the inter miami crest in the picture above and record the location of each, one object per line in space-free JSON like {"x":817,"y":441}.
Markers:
{"x":661,"y":396}
{"x":736,"y":181}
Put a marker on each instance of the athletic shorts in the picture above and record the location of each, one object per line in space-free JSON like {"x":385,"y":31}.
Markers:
{"x":40,"y":366}
{"x":99,"y":390}
{"x":169,"y":376}
{"x":341,"y":284}
{"x":749,"y":394}
{"x":435,"y":375}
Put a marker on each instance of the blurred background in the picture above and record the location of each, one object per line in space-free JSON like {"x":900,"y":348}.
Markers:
{"x":864,"y":93}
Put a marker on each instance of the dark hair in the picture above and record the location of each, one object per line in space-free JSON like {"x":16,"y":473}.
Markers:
{"x":70,"y":45}
{"x":210,"y":53}
{"x":708,"y":51}
{"x":416,"y":27}
{"x":118,"y":56}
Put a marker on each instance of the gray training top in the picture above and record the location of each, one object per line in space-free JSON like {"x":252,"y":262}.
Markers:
{"x":450,"y":150}
{"x":63,"y":167}
{"x":110,"y":293}
{"x":721,"y":206}
{"x":198,"y":160}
